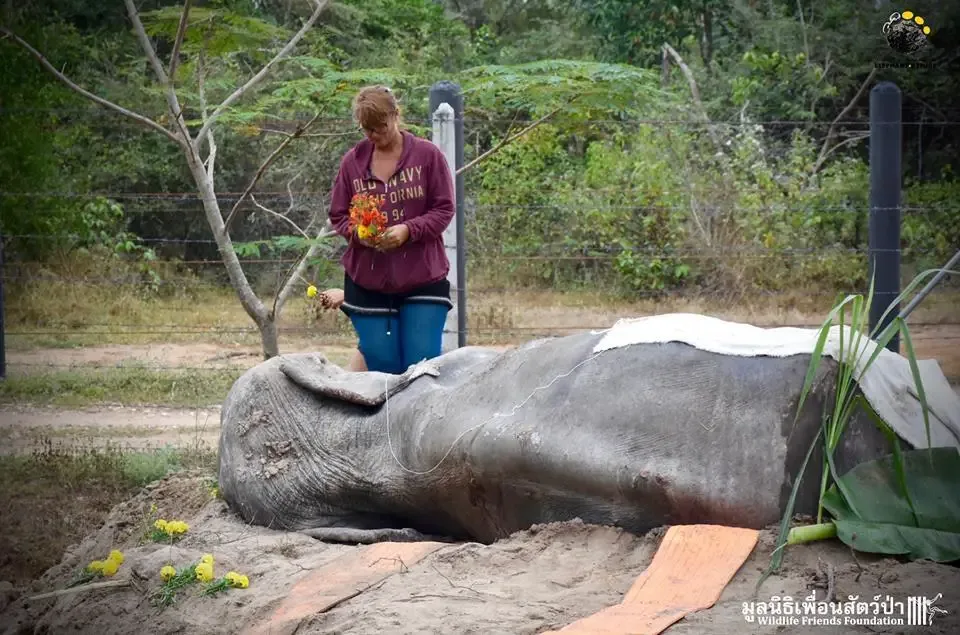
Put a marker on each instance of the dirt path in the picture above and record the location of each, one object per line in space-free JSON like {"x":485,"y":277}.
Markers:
{"x":26,"y":427}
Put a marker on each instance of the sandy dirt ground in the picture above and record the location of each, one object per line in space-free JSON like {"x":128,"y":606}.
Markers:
{"x":536,"y":580}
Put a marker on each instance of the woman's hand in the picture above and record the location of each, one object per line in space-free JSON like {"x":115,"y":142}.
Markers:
{"x":331,"y":298}
{"x":394,"y":237}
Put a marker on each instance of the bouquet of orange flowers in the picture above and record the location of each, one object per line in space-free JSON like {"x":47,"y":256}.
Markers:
{"x":366,"y":219}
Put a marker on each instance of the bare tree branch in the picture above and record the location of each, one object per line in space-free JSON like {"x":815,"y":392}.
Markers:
{"x":803,"y":31}
{"x":263,"y":167}
{"x":284,"y":294}
{"x":834,"y":148}
{"x":211,"y":139}
{"x":253,"y":81}
{"x":171,"y":95}
{"x":694,"y":90}
{"x":178,"y":41}
{"x":280,"y":216}
{"x":832,"y":131}
{"x":516,"y":136}
{"x":310,"y":134}
{"x":86,"y":93}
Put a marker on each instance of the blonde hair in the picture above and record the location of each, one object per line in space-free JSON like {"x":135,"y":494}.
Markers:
{"x":373,"y":105}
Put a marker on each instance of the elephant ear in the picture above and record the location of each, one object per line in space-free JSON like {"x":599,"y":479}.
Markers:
{"x":314,"y":372}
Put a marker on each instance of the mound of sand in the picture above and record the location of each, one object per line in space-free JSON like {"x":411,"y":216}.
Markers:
{"x":531,"y":582}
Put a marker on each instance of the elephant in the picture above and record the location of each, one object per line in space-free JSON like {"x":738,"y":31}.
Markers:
{"x":477,"y":443}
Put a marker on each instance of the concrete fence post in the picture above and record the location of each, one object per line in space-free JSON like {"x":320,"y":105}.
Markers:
{"x":446,"y":108}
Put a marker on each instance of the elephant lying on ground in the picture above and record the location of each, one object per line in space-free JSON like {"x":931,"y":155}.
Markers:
{"x":478,"y":444}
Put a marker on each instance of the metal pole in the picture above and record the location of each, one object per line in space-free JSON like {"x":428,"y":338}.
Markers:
{"x":449,"y":92}
{"x":885,"y":180}
{"x":917,"y":299}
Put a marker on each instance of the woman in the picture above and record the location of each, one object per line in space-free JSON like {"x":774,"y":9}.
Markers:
{"x":396,"y":292}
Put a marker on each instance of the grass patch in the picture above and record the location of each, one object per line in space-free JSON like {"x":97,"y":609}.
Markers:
{"x":130,"y":385}
{"x":52,"y":498}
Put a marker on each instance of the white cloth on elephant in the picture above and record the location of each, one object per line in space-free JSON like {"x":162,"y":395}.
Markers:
{"x":887,"y":384}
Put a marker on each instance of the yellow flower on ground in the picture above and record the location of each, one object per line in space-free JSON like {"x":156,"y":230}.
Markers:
{"x":207,"y":558}
{"x":95,"y":567}
{"x":175,"y":527}
{"x":117,"y":556}
{"x":204,"y":572}
{"x":167,"y":573}
{"x":311,"y":291}
{"x":160,"y":524}
{"x":110,"y":567}
{"x":237,"y":580}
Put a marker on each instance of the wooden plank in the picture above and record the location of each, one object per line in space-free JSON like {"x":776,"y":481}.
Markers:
{"x":688,"y":573}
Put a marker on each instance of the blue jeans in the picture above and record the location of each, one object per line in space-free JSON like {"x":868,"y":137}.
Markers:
{"x":392,"y":343}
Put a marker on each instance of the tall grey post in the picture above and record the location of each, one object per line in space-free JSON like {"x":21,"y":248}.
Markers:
{"x":885,"y":181}
{"x":446,"y":108}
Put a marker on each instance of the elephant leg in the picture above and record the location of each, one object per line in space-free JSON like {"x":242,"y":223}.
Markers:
{"x":369,"y":536}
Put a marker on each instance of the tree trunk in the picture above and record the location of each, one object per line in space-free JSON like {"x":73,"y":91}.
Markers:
{"x":238,"y":280}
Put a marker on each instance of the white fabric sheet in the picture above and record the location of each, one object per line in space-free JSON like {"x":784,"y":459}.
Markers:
{"x":888,"y":384}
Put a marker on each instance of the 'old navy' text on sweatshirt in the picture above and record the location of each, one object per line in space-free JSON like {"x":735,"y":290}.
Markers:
{"x":419,"y":194}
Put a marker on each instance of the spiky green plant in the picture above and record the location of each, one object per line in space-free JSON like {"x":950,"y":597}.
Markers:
{"x":852,"y":348}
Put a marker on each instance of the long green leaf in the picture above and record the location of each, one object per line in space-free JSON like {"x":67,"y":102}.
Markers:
{"x":847,"y":495}
{"x":910,"y":287}
{"x":915,"y":370}
{"x":777,"y":558}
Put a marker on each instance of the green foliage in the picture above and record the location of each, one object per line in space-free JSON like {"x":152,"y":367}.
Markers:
{"x":931,"y":220}
{"x":905,"y":505}
{"x":635,"y":32}
{"x":781,"y":87}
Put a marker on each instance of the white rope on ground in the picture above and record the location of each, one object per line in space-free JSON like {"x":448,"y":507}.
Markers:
{"x":512,"y":412}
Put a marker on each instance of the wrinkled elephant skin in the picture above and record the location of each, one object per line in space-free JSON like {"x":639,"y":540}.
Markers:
{"x":637,"y":437}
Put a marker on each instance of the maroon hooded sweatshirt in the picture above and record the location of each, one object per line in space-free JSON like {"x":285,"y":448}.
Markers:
{"x":419,"y":194}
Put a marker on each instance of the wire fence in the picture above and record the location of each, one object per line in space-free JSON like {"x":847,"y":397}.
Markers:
{"x":566,"y":247}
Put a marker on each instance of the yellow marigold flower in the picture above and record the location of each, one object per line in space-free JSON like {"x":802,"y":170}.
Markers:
{"x":116,"y":556}
{"x":311,"y":291}
{"x":160,"y":524}
{"x":95,"y":566}
{"x":167,"y":573}
{"x":110,"y":567}
{"x":363,"y":232}
{"x":204,"y":572}
{"x":175,"y":527}
{"x":242,"y":582}
{"x":207,"y":558}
